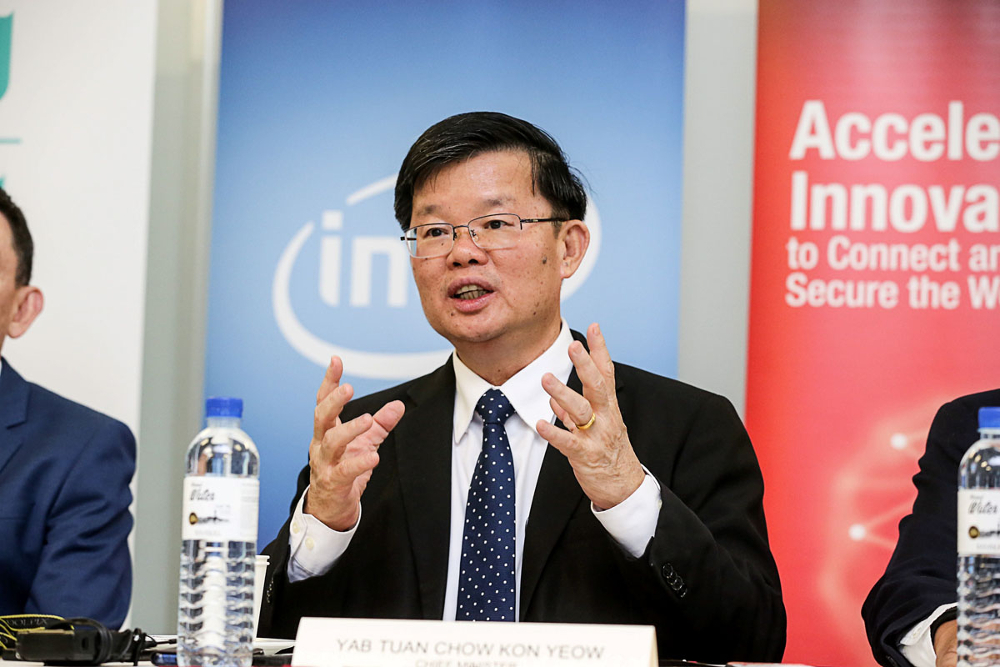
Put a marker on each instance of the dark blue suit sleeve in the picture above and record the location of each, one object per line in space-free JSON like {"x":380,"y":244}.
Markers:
{"x":921,"y":575}
{"x":85,"y":568}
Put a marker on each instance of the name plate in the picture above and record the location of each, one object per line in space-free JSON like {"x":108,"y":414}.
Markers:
{"x":353,"y":642}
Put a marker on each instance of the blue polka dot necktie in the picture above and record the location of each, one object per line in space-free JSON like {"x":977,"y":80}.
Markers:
{"x":486,"y":581}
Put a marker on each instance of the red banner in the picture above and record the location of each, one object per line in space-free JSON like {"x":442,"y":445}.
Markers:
{"x":875,"y":290}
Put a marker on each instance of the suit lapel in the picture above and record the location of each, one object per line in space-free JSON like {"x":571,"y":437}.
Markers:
{"x":423,"y":449}
{"x":13,"y":411}
{"x":557,"y":496}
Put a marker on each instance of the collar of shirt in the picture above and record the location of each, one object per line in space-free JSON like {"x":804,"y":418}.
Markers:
{"x":523,"y":390}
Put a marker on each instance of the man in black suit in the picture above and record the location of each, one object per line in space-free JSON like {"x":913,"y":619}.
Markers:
{"x":910,"y":612}
{"x":658,"y":523}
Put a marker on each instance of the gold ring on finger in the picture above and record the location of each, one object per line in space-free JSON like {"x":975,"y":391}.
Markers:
{"x":584,"y":427}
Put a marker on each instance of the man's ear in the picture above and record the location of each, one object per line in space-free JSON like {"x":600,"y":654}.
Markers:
{"x":27,"y":305}
{"x":574,"y":238}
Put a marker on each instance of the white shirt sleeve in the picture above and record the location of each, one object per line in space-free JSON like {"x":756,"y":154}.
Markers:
{"x":917,"y":645}
{"x":632,"y":522}
{"x":314,"y":546}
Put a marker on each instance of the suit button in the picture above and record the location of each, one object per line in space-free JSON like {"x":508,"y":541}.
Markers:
{"x":677,"y":584}
{"x":683,"y":592}
{"x":667,"y":571}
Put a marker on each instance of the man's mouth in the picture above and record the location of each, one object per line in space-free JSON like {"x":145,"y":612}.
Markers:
{"x":470,"y":292}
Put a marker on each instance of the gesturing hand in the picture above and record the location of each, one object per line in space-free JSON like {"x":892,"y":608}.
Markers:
{"x":342,"y":455}
{"x":596,"y":442}
{"x":946,"y":644}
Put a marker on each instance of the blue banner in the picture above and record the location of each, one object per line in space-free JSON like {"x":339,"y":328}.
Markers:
{"x":318,"y":104}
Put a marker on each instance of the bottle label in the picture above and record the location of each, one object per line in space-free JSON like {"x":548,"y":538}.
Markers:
{"x":979,"y":522}
{"x":220,"y":509}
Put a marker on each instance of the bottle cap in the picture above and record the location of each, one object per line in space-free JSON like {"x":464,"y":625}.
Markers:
{"x":223,"y":406}
{"x":989,"y":417}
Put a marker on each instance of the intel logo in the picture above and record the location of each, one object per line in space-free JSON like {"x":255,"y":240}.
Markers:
{"x":368,"y":262}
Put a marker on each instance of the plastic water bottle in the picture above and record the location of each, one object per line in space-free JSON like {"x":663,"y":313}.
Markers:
{"x":221,"y":492}
{"x":979,"y":546}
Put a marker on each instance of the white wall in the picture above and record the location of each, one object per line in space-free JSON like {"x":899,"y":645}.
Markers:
{"x":79,"y":104}
{"x":188,"y":36}
{"x":720,"y":84}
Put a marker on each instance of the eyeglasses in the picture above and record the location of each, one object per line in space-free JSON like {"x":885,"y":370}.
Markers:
{"x":489,"y":232}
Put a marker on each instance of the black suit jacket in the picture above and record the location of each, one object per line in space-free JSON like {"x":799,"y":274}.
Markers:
{"x":921,"y":575}
{"x":707,"y":580}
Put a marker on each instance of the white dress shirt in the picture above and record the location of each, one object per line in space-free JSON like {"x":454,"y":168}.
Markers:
{"x":315,"y":547}
{"x":917,"y":644}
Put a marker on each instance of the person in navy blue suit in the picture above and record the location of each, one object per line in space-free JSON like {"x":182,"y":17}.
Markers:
{"x":64,"y":475}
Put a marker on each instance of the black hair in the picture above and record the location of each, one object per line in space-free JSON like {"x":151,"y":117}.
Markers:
{"x":20,"y":237}
{"x":467,"y":135}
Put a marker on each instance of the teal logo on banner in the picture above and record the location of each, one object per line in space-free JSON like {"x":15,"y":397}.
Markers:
{"x":6,"y":33}
{"x":318,"y":104}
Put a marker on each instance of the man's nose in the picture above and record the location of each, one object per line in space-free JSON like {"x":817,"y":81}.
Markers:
{"x":465,"y":249}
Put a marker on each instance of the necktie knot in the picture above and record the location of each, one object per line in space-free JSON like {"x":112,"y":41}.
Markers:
{"x":494,"y":407}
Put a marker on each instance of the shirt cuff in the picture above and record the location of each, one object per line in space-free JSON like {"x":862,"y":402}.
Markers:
{"x":917,"y":645}
{"x":632,"y":522}
{"x":314,"y":546}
